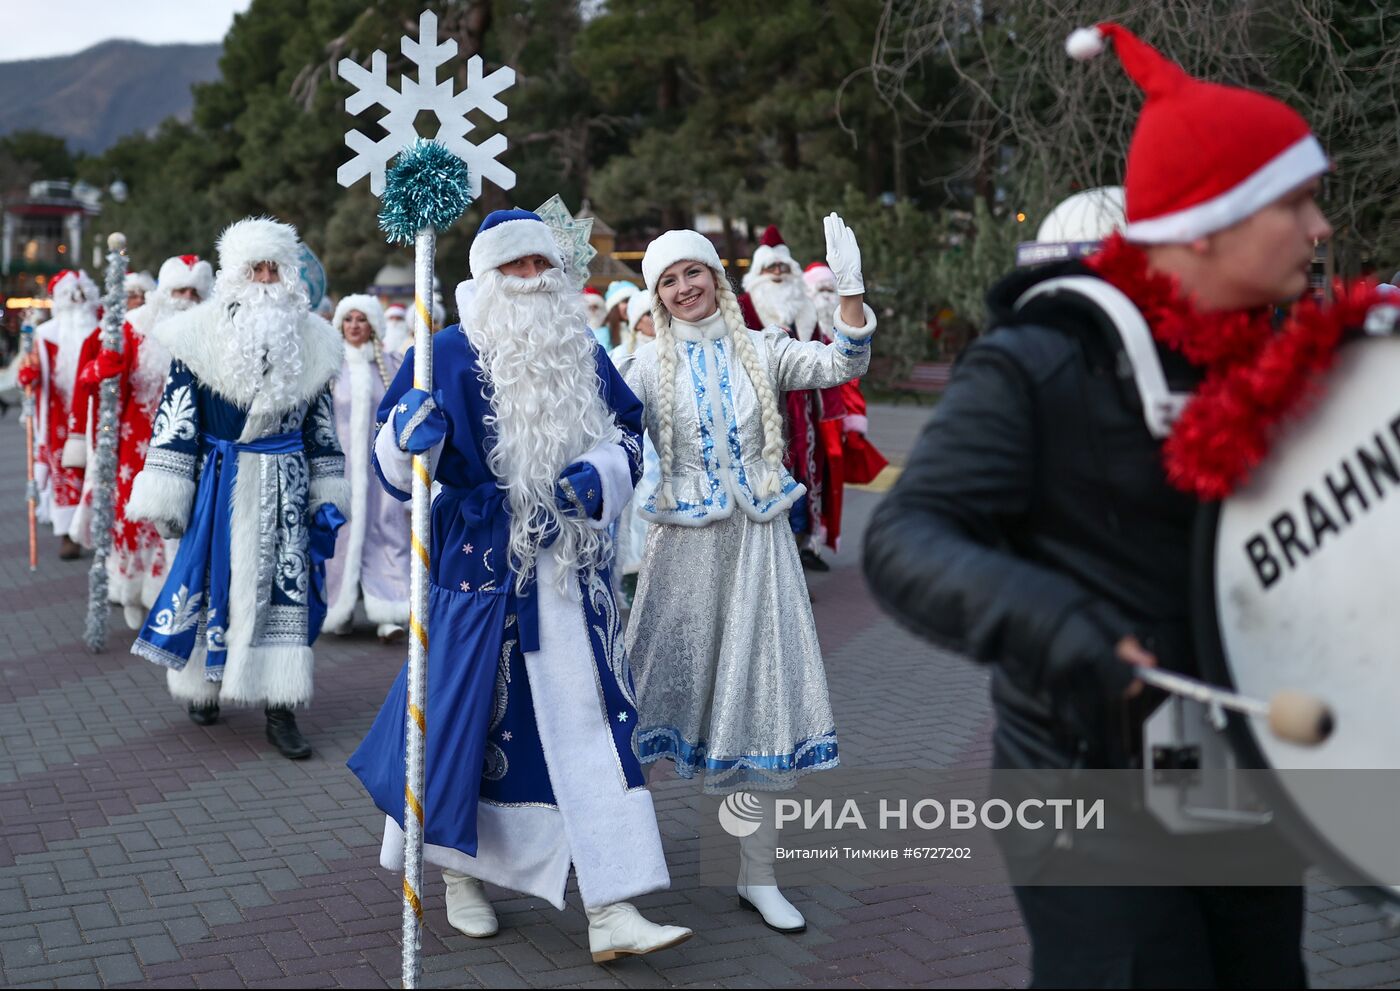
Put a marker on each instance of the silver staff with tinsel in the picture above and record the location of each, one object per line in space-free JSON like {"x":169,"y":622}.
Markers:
{"x":27,"y":416}
{"x":104,"y":461}
{"x":428,"y":188}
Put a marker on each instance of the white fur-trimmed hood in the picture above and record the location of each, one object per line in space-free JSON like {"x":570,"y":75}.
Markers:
{"x":193,"y":337}
{"x":368,"y":305}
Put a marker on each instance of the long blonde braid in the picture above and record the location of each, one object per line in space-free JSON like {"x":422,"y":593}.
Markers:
{"x":773,"y":440}
{"x":666,"y":384}
{"x":379,"y":358}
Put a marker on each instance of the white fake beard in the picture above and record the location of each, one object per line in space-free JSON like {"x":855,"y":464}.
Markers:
{"x":69,"y":328}
{"x":597,"y":315}
{"x":154,"y":359}
{"x":825,"y":302}
{"x":261,"y":328}
{"x":536,"y":357}
{"x":784,"y":303}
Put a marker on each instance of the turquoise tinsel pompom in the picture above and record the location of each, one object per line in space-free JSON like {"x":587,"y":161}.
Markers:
{"x":427,"y":186}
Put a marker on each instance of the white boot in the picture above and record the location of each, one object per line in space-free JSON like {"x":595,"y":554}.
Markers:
{"x":619,"y":930}
{"x":135,"y":617}
{"x":468,"y":909}
{"x":758,"y":886}
{"x":390,"y":633}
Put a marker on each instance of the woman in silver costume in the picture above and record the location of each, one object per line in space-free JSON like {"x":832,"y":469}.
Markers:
{"x":728,"y":670}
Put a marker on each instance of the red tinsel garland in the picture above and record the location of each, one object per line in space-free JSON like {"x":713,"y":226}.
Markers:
{"x":1256,"y":375}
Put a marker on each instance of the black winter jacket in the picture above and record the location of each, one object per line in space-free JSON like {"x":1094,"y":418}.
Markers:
{"x":1034,"y":525}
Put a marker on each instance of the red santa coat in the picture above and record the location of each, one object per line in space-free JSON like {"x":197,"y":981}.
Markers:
{"x":137,"y":563}
{"x":58,"y":344}
{"x":814,"y":448}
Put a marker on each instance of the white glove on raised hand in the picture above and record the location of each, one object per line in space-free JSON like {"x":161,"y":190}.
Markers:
{"x":843,"y":256}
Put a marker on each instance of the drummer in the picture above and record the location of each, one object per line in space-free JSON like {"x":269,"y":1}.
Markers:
{"x":1035,"y":528}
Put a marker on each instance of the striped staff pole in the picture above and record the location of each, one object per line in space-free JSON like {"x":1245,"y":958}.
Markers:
{"x":424,"y":248}
{"x":425,"y":191}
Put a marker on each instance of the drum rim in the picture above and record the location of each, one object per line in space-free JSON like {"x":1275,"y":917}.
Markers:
{"x":1210,"y":656}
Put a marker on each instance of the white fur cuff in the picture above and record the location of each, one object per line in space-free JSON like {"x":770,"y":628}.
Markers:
{"x":857,"y":333}
{"x":75,"y":452}
{"x":333,"y":489}
{"x":610,"y":461}
{"x":161,"y":497}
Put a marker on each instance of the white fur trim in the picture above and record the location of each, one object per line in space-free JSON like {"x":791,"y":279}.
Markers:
{"x":397,"y":465}
{"x":607,"y":831}
{"x":355,"y":380}
{"x":159,"y":496}
{"x":175,"y":274}
{"x":1295,"y":165}
{"x":764,"y":255}
{"x":139,"y":282}
{"x":677,"y":246}
{"x":638,"y":306}
{"x":74,"y":452}
{"x":1084,"y":44}
{"x":464,"y":294}
{"x":367,"y":305}
{"x":379,"y":610}
{"x":247,"y":242}
{"x":193,"y":337}
{"x":858,"y":422}
{"x":856,"y":333}
{"x":512,"y":240}
{"x":189,"y":684}
{"x":334,"y":490}
{"x":610,"y":461}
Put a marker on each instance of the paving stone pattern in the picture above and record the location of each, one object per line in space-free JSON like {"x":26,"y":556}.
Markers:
{"x":137,"y":849}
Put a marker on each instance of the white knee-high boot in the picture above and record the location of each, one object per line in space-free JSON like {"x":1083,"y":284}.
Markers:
{"x":758,"y":886}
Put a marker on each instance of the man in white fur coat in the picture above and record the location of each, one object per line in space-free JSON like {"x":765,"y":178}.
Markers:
{"x":244,"y":465}
{"x":534,"y":442}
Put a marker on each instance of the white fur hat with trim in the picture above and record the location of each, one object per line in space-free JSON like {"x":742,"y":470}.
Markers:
{"x":507,"y":235}
{"x":138,"y":282}
{"x":368,"y":305}
{"x":678,"y":246}
{"x":186,"y":272}
{"x":638,"y":306}
{"x":260,"y":239}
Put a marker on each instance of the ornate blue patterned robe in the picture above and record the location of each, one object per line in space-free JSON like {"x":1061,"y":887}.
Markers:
{"x":530,"y":764}
{"x":251,"y":489}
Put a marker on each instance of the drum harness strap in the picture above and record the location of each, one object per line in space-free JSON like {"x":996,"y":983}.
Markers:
{"x":1160,"y":406}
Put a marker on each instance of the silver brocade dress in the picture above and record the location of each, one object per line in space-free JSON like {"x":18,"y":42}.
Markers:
{"x":722,"y":644}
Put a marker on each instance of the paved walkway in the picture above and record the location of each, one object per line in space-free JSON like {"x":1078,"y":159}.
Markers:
{"x":138,"y":849}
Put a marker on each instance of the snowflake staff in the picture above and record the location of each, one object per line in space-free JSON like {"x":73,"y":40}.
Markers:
{"x":428,"y":189}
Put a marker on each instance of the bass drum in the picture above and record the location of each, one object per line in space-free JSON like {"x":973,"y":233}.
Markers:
{"x":1297,"y":586}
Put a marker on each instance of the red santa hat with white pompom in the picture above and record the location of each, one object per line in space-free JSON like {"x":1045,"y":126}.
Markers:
{"x":1204,"y":156}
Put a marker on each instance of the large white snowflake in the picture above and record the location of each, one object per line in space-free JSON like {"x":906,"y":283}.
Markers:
{"x":424,"y":93}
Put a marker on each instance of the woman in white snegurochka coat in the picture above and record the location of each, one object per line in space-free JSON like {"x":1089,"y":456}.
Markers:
{"x":728,"y":670}
{"x":371,"y":550}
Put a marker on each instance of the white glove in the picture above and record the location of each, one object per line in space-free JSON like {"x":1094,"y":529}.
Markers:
{"x":843,"y":256}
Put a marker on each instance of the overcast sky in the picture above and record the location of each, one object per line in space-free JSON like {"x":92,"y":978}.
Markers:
{"x":39,"y":28}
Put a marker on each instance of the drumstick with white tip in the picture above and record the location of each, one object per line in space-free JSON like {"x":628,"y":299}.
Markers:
{"x":1292,"y":715}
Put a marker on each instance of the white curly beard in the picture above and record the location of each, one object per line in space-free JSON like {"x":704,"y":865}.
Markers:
{"x":537,"y":360}
{"x":783,"y":303}
{"x":260,"y":324}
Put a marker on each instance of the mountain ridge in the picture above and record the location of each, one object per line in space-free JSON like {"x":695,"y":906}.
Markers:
{"x":110,"y":90}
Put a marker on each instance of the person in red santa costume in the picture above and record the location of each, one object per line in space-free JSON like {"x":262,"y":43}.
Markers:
{"x":851,"y":458}
{"x":138,"y":558}
{"x":52,"y":368}
{"x":1044,"y":522}
{"x":775,"y":296}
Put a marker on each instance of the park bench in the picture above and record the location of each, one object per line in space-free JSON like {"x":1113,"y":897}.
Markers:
{"x":925,"y":378}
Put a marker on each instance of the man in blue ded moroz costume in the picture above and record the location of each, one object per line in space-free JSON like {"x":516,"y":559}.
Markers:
{"x":244,"y":466}
{"x":533,"y":442}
